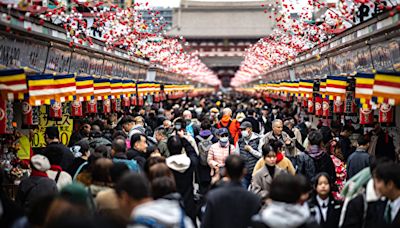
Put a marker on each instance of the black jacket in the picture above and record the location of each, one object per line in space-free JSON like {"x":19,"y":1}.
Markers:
{"x":333,"y":213}
{"x":230,"y":206}
{"x":139,"y":157}
{"x":68,"y":157}
{"x":357,"y":217}
{"x":356,"y":162}
{"x":254,"y":123}
{"x":267,"y":124}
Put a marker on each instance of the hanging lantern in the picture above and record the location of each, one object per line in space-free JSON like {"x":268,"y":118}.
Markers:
{"x":134,"y":101}
{"x":318,"y":106}
{"x":338,"y":107}
{"x":27,"y":114}
{"x":304,"y":102}
{"x":350,"y":103}
{"x":310,"y":106}
{"x":106,"y":106}
{"x":326,"y":108}
{"x":76,"y":108}
{"x":116,"y":105}
{"x":55,"y":110}
{"x":141,"y":101}
{"x":366,"y":116}
{"x":91,"y":106}
{"x":385,"y":113}
{"x":126,"y":102}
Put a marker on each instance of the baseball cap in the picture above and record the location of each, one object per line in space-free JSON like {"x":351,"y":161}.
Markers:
{"x":245,"y":125}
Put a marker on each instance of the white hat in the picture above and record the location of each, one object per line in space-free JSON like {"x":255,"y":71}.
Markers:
{"x":40,"y":162}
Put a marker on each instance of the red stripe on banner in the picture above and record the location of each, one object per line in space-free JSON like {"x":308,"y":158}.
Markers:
{"x":336,"y":86}
{"x":385,"y":83}
{"x":101,"y":87}
{"x":84,"y":86}
{"x":365,"y":86}
{"x":18,"y":82}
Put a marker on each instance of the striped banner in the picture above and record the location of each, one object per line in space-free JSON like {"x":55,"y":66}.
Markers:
{"x":364,"y":87}
{"x":322,"y":87}
{"x":64,"y":87}
{"x":128,"y":87}
{"x":84,"y":88}
{"x":387,"y":86}
{"x":102,"y":88}
{"x":13,"y":83}
{"x":41,"y":89}
{"x":306,"y":87}
{"x":116,"y":88}
{"x":336,"y":87}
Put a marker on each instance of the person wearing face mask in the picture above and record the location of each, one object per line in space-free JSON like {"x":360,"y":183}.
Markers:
{"x":247,"y":147}
{"x":219,"y":151}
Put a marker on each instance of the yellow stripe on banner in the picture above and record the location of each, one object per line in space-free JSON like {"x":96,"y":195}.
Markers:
{"x":15,"y":77}
{"x":366,"y":81}
{"x":386,"y":78}
{"x":330,"y":97}
{"x":362,"y":100}
{"x":101,"y":84}
{"x":380,"y":100}
{"x":47,"y":101}
{"x":83,"y":83}
{"x":336,"y":82}
{"x":64,"y":81}
{"x":43,"y":82}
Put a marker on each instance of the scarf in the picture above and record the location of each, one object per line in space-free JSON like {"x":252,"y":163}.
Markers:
{"x":37,"y":173}
{"x":315,"y":152}
{"x":56,"y":168}
{"x":279,"y":157}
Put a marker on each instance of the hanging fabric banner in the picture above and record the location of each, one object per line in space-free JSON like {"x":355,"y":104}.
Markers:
{"x":13,"y":84}
{"x":84,"y":88}
{"x":41,"y":89}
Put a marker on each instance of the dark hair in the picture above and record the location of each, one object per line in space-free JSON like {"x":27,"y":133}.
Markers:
{"x":162,"y":186}
{"x":103,"y":150}
{"x":388,"y":171}
{"x":315,"y":138}
{"x":250,"y":112}
{"x":39,"y":209}
{"x":276,"y":145}
{"x":266,"y":149}
{"x":348,"y":128}
{"x":234,"y":165}
{"x":136,"y":138}
{"x":362,"y":140}
{"x":54,"y":155}
{"x":374,"y":162}
{"x":159,"y":170}
{"x":152,"y":161}
{"x":135,"y":185}
{"x":285,"y":188}
{"x":52,"y":132}
{"x":161,"y":130}
{"x":305,"y":185}
{"x":118,"y":134}
{"x":127,"y":119}
{"x":174,"y":145}
{"x":316,"y":179}
{"x":101,"y":170}
{"x":117,"y":171}
{"x":84,"y":146}
{"x":205,"y":124}
{"x":326,"y":133}
{"x":119,"y":146}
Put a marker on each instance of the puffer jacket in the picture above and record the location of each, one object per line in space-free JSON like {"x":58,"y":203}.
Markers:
{"x":251,"y":157}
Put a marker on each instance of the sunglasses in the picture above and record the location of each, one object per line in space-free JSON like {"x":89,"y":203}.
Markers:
{"x":224,"y":135}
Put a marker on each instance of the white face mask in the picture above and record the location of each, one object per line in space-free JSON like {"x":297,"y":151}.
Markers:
{"x":245,"y":134}
{"x":224,"y":139}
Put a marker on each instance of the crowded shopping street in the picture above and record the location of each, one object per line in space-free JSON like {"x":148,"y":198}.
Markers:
{"x":200,"y":114}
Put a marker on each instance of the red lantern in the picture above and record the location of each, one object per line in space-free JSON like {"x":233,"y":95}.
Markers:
{"x":27,"y":113}
{"x":76,"y":108}
{"x":385,"y":113}
{"x":310,"y":105}
{"x":126,"y":102}
{"x":318,"y":106}
{"x":326,"y":108}
{"x":3,"y":117}
{"x":366,"y":116}
{"x":141,"y":101}
{"x":91,"y":106}
{"x":106,"y":106}
{"x":55,"y":110}
{"x":116,"y":105}
{"x":338,"y":107}
{"x":133,"y":101}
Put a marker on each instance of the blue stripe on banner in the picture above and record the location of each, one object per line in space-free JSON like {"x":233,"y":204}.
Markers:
{"x":365,"y":75}
{"x":40,"y":77}
{"x":100,"y":80}
{"x":11,"y":72}
{"x":83,"y":78}
{"x":374,"y":99}
{"x":59,"y":77}
{"x":116,"y":80}
{"x":388,"y":73}
{"x":338,"y":78}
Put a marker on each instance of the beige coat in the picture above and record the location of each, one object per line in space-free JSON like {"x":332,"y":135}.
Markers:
{"x":261,"y":181}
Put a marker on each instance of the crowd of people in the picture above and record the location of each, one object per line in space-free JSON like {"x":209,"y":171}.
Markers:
{"x":221,"y":161}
